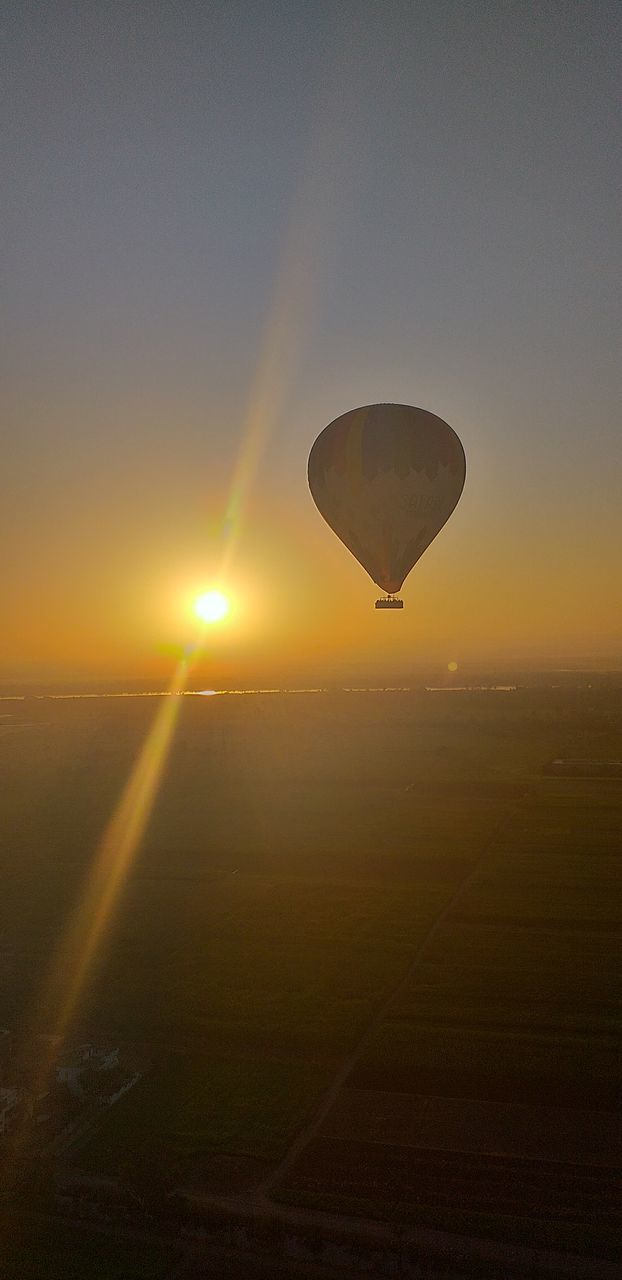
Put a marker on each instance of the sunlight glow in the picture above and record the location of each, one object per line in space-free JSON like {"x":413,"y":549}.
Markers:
{"x":211,"y":606}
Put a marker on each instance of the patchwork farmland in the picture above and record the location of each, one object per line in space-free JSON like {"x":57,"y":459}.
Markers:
{"x":368,"y":951}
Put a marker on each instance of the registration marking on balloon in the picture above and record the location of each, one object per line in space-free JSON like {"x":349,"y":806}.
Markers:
{"x":386,"y":478}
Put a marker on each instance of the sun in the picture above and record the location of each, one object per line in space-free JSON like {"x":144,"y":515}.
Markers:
{"x":211,"y":606}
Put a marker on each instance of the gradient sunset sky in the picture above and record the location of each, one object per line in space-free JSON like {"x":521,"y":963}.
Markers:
{"x":225,"y":224}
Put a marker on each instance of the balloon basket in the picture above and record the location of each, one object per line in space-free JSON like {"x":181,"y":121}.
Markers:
{"x":389,"y":602}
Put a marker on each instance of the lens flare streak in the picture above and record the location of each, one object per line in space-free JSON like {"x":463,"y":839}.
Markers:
{"x":77,"y":953}
{"x":290,"y":316}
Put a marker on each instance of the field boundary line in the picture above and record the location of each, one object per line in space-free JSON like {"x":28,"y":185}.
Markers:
{"x":310,"y":1130}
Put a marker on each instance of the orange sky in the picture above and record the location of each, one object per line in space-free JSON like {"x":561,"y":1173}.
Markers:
{"x":114,"y":598}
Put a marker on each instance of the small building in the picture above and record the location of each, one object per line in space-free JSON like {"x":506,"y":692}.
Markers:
{"x":84,"y":1057}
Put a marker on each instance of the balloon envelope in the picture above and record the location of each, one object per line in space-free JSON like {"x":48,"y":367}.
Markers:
{"x":386,"y":478}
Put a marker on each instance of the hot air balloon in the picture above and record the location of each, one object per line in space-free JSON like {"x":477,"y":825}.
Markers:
{"x":386,"y":478}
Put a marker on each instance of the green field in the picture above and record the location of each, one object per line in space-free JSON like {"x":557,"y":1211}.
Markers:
{"x":510,"y":1021}
{"x":258,"y":961}
{"x":192,"y":1105}
{"x":299,"y":855}
{"x":38,"y":1248}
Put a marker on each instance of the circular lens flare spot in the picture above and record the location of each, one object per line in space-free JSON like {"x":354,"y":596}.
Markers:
{"x":211,"y":607}
{"x":452,"y":666}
